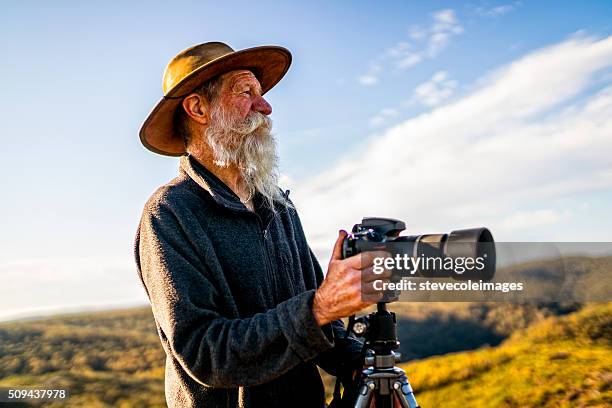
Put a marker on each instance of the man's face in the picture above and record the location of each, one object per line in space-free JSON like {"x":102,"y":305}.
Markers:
{"x":239,"y":134}
{"x":240,"y":95}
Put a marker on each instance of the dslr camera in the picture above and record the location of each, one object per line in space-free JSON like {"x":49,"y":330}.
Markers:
{"x":461,"y":254}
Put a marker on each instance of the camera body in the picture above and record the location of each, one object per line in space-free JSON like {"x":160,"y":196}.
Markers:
{"x":370,"y":232}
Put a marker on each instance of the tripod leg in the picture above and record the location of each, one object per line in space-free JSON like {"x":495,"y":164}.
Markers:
{"x":403,"y":391}
{"x":364,"y":397}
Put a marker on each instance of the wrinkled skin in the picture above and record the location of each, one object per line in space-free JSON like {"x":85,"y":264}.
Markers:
{"x":241,"y":94}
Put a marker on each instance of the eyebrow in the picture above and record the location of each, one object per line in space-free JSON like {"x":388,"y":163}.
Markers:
{"x":250,"y":84}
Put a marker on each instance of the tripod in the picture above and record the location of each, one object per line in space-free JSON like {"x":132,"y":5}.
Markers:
{"x":382,"y":380}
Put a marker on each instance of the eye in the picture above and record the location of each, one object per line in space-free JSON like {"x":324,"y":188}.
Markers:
{"x":247,"y":92}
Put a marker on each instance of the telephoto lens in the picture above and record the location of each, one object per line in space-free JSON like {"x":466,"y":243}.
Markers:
{"x":462,"y":254}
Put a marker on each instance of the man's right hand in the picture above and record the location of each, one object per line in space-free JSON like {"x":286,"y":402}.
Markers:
{"x":340,"y":294}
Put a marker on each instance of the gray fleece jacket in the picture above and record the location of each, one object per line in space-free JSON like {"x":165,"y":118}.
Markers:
{"x":231,"y":292}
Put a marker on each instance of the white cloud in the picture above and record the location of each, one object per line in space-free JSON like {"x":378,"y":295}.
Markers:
{"x":368,"y":80}
{"x":382,"y":116}
{"x":435,"y":91}
{"x":445,"y":26}
{"x":398,"y":50}
{"x":371,"y":77}
{"x":520,"y":140}
{"x":443,"y":19}
{"x":426,"y":43}
{"x":416,"y":33}
{"x":389,"y":112}
{"x":430,"y":41}
{"x":409,"y":60}
{"x":497,"y":10}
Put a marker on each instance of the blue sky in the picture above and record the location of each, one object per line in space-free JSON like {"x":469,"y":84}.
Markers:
{"x":446,"y":114}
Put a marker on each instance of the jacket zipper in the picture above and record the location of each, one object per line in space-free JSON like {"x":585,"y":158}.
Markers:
{"x":269,"y":270}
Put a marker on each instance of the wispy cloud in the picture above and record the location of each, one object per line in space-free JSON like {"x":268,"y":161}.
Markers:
{"x":368,"y":79}
{"x":494,"y":11}
{"x":435,"y":91}
{"x":426,"y":42}
{"x":514,"y":145}
{"x":371,"y":76}
{"x":445,"y":25}
{"x":409,"y":60}
{"x":383,"y":116}
{"x":423,"y":43}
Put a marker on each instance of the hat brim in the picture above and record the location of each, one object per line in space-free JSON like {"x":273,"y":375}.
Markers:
{"x":268,"y":63}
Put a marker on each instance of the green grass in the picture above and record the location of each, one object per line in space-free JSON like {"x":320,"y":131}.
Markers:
{"x":561,"y":362}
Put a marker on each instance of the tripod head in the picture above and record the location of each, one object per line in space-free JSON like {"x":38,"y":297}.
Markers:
{"x":378,"y":330}
{"x":381,"y":382}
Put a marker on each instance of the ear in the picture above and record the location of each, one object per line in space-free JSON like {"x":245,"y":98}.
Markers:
{"x":196,"y":107}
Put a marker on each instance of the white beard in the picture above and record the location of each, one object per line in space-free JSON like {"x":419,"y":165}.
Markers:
{"x":250,"y":146}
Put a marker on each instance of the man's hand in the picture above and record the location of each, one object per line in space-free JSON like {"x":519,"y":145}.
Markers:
{"x":340,"y":293}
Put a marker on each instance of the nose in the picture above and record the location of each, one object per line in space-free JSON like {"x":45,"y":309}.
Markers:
{"x":261,"y":105}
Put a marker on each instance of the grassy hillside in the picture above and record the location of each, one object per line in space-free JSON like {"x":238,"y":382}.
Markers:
{"x":561,"y":362}
{"x":114,"y":358}
{"x":106,"y":359}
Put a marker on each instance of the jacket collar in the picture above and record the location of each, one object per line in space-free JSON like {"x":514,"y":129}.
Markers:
{"x":221,"y":193}
{"x":218,"y":190}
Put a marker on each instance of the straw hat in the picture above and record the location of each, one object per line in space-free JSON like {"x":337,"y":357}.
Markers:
{"x":194,"y":66}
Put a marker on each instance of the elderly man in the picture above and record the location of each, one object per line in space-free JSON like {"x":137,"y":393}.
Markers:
{"x":239,"y":300}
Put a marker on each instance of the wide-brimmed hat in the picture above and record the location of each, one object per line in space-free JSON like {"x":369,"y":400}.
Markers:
{"x":194,"y":66}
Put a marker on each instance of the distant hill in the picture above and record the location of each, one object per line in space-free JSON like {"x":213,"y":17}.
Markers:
{"x":114,"y":358}
{"x":429,"y":329}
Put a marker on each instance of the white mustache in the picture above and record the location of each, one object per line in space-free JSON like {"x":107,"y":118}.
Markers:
{"x":253,"y":122}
